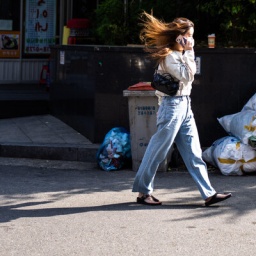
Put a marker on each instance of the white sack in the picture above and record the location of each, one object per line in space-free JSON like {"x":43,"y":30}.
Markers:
{"x":231,"y":156}
{"x":225,"y":122}
{"x":241,"y":125}
{"x":251,"y":104}
{"x":208,"y":153}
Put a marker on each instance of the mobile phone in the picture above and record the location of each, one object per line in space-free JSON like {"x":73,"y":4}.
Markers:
{"x":181,"y":40}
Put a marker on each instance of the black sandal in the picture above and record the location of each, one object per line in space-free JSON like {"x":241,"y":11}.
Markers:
{"x":216,"y":199}
{"x":141,"y":200}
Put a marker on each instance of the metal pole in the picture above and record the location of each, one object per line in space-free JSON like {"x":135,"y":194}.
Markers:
{"x":69,"y":9}
{"x":61,"y":24}
{"x":21,"y":40}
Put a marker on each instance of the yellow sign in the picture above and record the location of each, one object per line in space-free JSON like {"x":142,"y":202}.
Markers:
{"x":9,"y":44}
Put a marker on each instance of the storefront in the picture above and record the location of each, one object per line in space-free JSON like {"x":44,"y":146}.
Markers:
{"x":27,"y":30}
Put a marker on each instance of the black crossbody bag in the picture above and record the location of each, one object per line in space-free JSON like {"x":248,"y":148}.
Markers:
{"x":165,"y":83}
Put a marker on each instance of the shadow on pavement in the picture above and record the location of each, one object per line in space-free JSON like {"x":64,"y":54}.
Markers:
{"x":22,"y":187}
{"x":12,"y":212}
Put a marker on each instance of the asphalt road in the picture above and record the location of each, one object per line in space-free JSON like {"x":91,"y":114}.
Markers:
{"x":73,"y":208}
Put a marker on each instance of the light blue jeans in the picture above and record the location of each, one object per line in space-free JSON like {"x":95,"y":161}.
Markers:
{"x":175,"y":123}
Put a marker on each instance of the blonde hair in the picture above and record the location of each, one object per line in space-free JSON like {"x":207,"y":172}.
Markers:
{"x":159,"y":37}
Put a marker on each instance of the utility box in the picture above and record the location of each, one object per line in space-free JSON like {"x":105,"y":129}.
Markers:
{"x":143,"y":107}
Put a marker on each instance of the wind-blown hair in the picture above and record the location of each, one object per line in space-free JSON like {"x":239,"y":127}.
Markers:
{"x":160,"y":37}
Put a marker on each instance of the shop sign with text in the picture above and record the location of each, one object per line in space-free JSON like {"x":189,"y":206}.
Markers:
{"x":40,"y":26}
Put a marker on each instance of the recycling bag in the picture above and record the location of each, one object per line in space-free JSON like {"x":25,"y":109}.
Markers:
{"x":115,"y":151}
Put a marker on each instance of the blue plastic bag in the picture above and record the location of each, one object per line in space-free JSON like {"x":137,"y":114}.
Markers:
{"x":115,"y":151}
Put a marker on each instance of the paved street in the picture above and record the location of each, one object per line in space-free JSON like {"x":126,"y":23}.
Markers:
{"x":73,"y":208}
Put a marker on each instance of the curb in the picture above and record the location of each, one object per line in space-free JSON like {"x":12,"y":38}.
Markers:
{"x":67,"y":152}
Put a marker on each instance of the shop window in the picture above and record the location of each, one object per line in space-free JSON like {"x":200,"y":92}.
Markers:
{"x":10,"y":15}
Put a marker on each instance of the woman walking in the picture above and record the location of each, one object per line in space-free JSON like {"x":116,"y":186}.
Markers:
{"x":171,"y":45}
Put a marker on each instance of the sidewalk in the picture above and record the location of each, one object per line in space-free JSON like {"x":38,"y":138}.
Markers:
{"x":49,"y":210}
{"x":44,"y":137}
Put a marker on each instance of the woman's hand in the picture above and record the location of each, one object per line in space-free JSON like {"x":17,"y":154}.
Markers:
{"x":189,"y":44}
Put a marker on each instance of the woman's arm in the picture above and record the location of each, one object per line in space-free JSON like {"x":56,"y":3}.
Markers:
{"x":182,"y":67}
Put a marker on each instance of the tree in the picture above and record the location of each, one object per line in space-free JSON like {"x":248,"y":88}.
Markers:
{"x":233,"y":21}
{"x":110,"y":22}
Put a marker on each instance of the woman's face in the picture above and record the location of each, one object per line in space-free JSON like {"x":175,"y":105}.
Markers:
{"x":189,"y":38}
{"x":189,"y":33}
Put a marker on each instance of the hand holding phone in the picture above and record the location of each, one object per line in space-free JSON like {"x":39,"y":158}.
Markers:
{"x":185,"y":42}
{"x":181,"y":40}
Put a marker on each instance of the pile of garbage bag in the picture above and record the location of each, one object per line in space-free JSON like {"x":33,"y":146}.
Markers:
{"x":235,"y":154}
{"x":115,"y":151}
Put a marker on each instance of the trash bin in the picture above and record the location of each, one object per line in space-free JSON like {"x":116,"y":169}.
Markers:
{"x":143,"y":107}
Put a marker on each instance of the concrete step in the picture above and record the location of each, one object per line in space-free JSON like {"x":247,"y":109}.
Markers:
{"x":17,"y":100}
{"x":66,"y":152}
{"x":44,"y":137}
